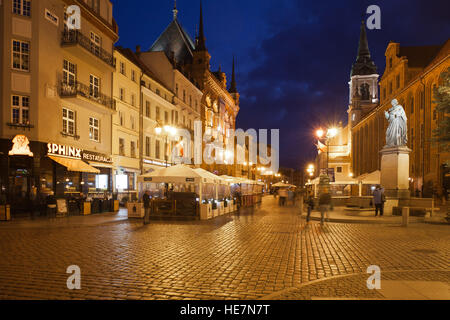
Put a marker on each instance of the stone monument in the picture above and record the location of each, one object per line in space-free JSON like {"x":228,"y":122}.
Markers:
{"x":395,"y":155}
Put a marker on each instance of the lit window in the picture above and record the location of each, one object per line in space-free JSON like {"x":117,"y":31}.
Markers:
{"x":122,"y":94}
{"x":95,"y":5}
{"x":133,"y":149}
{"x":147,"y":146}
{"x":69,"y":73}
{"x":22,"y":7}
{"x":68,"y":121}
{"x":94,"y":86}
{"x":21,"y":55}
{"x":147,"y":109}
{"x":157,"y":149}
{"x":121,"y":147}
{"x":20,"y":110}
{"x":121,"y":119}
{"x":94,"y":129}
{"x":96,"y":43}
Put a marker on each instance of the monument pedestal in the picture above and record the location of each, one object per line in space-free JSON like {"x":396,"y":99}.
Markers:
{"x":395,"y":172}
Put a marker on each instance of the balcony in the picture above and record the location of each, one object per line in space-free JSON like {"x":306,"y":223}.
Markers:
{"x":79,"y":89}
{"x":74,"y":37}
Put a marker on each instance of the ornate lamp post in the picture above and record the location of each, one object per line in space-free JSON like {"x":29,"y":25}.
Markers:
{"x":165,"y":131}
{"x":331,"y":133}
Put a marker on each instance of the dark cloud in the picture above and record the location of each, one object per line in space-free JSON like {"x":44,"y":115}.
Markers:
{"x":293,"y":56}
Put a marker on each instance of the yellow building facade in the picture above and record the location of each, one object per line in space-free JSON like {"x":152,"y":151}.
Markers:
{"x":410,"y":76}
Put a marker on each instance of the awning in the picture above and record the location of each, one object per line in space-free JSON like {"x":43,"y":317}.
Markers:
{"x":74,"y":164}
{"x":100,"y":164}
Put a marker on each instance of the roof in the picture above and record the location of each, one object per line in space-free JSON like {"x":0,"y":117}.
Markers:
{"x":175,"y":39}
{"x":420,"y":56}
{"x":133,"y":57}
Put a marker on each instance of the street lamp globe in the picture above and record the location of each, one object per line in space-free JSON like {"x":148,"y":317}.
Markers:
{"x":332,"y":132}
{"x":158,"y":130}
{"x":319,"y":133}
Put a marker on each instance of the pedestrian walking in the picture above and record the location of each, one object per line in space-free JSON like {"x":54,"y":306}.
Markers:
{"x":310,"y":204}
{"x":283,"y":194}
{"x":324,"y":205}
{"x":378,"y":199}
{"x":146,"y":200}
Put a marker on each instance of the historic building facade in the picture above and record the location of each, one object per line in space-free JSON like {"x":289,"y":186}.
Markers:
{"x":218,"y":105}
{"x":410,"y":76}
{"x":56,"y":95}
{"x":126,"y":124}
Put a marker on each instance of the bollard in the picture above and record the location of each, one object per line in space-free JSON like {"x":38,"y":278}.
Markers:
{"x":301,"y":204}
{"x":405,"y":216}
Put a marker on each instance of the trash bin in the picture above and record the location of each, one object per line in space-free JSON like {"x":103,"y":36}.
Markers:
{"x":86,"y":208}
{"x":95,"y":206}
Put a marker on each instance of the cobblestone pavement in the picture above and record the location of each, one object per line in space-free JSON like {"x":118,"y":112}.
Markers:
{"x":250,"y":255}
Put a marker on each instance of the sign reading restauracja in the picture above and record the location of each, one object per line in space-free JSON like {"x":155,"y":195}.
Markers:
{"x":61,"y":150}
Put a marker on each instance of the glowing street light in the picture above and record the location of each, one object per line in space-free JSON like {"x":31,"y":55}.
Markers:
{"x":332,"y":132}
{"x":169,"y":130}
{"x":320,"y":133}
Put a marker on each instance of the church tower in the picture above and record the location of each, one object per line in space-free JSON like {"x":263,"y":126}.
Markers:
{"x":363,"y":85}
{"x":233,"y":90}
{"x":201,"y":55}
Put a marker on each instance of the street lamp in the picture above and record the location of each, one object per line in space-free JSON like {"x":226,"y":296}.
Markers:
{"x":331,"y":133}
{"x":165,"y":131}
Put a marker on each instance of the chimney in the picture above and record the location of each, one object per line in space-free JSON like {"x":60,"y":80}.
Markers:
{"x":138,"y":49}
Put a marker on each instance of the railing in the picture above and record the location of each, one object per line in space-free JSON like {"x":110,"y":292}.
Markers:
{"x":76,"y":37}
{"x":77,"y":88}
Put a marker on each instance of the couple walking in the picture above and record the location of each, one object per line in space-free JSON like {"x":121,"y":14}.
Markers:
{"x":324,"y":206}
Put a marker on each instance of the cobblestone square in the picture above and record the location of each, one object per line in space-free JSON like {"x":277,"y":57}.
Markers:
{"x":263,"y":253}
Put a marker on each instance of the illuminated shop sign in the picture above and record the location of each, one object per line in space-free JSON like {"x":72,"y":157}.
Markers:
{"x":63,"y":151}
{"x":97,"y":157}
{"x":158,"y":163}
{"x":20,"y":146}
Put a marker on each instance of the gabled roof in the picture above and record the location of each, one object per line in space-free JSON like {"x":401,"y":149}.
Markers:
{"x":133,"y":57}
{"x":419,"y":56}
{"x":175,"y":39}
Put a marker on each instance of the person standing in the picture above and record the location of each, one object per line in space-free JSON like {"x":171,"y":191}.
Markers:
{"x":324,"y":205}
{"x":378,"y":200}
{"x":310,"y":203}
{"x":146,"y":199}
{"x":283,"y":194}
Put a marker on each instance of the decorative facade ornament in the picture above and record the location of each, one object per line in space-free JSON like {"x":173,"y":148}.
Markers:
{"x":20,"y":146}
{"x":397,"y":131}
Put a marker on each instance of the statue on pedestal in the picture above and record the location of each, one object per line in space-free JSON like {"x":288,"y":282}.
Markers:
{"x":397,"y":132}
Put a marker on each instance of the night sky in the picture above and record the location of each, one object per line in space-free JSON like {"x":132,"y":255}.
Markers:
{"x":293,"y":57}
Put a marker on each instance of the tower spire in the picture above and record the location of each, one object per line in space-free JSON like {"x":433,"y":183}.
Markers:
{"x":233,"y":80}
{"x":363,"y":47}
{"x":201,"y":34}
{"x":364,"y":64}
{"x":175,"y":10}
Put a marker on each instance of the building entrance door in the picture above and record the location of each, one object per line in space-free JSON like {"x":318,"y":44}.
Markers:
{"x":19,"y":191}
